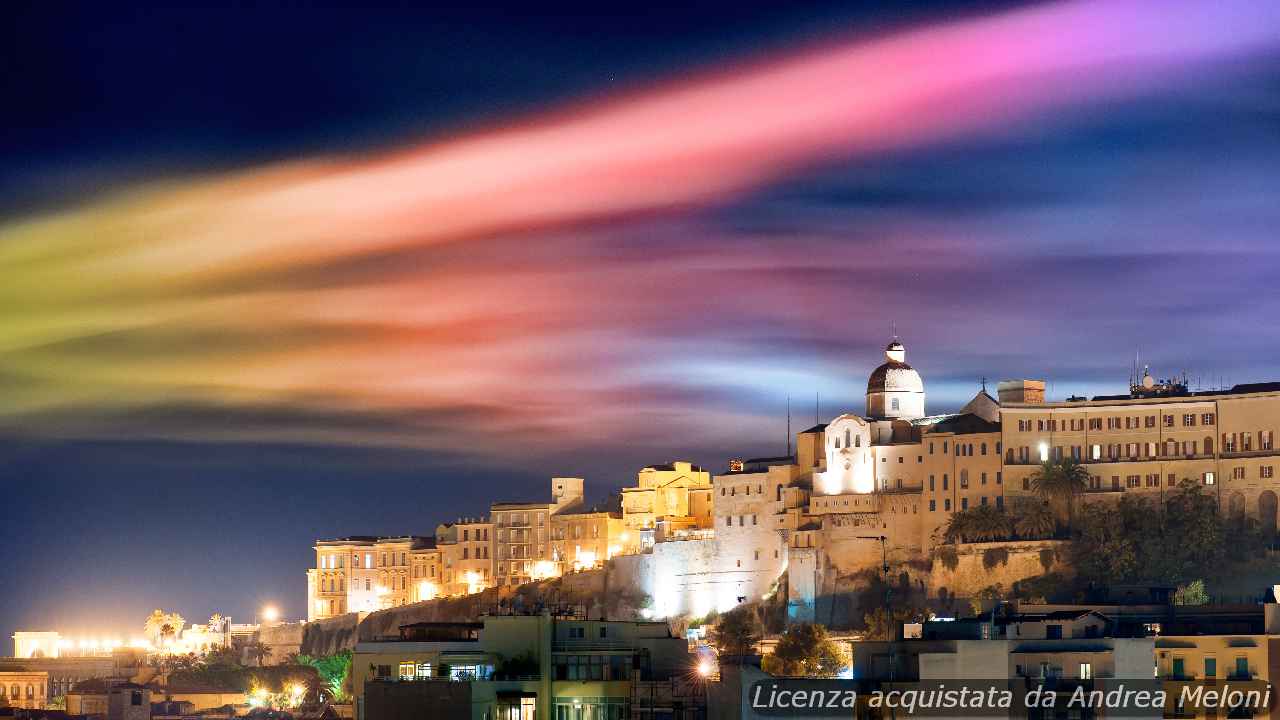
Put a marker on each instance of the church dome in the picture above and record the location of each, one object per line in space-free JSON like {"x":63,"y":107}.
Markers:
{"x":895,"y":390}
{"x":895,"y":375}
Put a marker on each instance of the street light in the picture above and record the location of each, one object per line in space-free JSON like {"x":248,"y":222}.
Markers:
{"x":270,"y":614}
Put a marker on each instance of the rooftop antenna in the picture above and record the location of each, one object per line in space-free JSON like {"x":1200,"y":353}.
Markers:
{"x":893,"y":328}
{"x":984,"y":383}
{"x":788,"y":426}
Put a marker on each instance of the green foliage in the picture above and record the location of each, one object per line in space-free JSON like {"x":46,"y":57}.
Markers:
{"x":805,"y":650}
{"x":986,"y":597}
{"x":1191,"y":594}
{"x":511,"y":668}
{"x":1137,"y":540}
{"x":1060,"y":482}
{"x":978,"y":524}
{"x":991,"y":557}
{"x":333,"y":670}
{"x":1033,"y":520}
{"x":883,"y":625}
{"x":737,"y":632}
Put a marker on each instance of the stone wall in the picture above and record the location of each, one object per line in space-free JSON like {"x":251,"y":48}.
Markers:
{"x":982,"y":565}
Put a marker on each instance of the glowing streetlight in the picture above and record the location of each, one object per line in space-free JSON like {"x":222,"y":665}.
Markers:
{"x":705,"y":668}
{"x":270,"y":614}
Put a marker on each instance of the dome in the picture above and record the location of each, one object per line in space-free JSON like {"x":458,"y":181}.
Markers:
{"x":895,"y":390}
{"x":895,"y":376}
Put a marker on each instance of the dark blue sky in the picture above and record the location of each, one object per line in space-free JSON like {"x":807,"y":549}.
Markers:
{"x":145,"y":465}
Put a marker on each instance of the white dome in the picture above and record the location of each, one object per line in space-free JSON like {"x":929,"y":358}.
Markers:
{"x":895,"y":389}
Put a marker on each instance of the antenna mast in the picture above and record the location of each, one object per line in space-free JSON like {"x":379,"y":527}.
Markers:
{"x":788,"y":426}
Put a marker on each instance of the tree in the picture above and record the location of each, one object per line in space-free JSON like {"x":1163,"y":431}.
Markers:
{"x":333,"y":670}
{"x":805,"y":650}
{"x":883,"y":625}
{"x":1191,"y":594}
{"x":737,"y":632}
{"x":162,"y":627}
{"x":1061,"y":482}
{"x":1033,"y":520}
{"x":258,"y":650}
{"x":978,"y":524}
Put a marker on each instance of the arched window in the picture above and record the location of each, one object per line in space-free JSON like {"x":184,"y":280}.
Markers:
{"x":847,"y":438}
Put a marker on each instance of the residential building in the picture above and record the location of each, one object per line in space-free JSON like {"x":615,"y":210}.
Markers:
{"x":25,"y":688}
{"x":522,"y":531}
{"x":467,"y":549}
{"x":525,"y":667}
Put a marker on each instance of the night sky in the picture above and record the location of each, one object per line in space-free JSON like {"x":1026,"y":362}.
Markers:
{"x":277,"y":274}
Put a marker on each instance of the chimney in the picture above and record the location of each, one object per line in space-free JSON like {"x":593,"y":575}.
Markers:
{"x":1030,"y":392}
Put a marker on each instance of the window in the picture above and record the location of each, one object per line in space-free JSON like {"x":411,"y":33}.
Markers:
{"x":1179,"y":668}
{"x":964,"y":503}
{"x":946,"y":505}
{"x":999,"y":478}
{"x":1208,"y":478}
{"x":1210,"y":667}
{"x":893,"y":404}
{"x":1242,"y":668}
{"x":984,"y":448}
{"x":1264,"y":440}
{"x":1266,"y":471}
{"x":964,"y":478}
{"x":1095,"y":423}
{"x":1131,"y":481}
{"x":933,"y":506}
{"x":1237,"y":473}
{"x":1086,"y":671}
{"x":931,"y":487}
{"x":1053,"y":632}
{"x":984,"y":478}
{"x":1000,"y":501}
{"x":1206,"y":419}
{"x":1188,"y":420}
{"x":944,"y":481}
{"x":1168,"y":421}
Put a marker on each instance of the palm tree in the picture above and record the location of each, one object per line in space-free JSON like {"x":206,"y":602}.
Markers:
{"x":978,"y":524}
{"x":258,"y":650}
{"x":1034,"y":519}
{"x":988,"y":523}
{"x":1061,"y":482}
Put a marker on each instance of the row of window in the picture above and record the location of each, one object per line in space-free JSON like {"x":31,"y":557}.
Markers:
{"x":1245,"y":441}
{"x":15,"y":691}
{"x":1127,"y":422}
{"x":964,"y":503}
{"x":964,"y":480}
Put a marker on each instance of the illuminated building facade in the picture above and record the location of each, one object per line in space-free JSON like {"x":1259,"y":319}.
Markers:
{"x":585,"y":540}
{"x":466,"y":556}
{"x":364,"y":573}
{"x":570,"y":668}
{"x":695,"y":542}
{"x":25,"y":688}
{"x":522,"y":532}
{"x":667,"y":499}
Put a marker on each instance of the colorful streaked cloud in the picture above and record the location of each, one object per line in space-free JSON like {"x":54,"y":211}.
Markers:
{"x":635,"y":266}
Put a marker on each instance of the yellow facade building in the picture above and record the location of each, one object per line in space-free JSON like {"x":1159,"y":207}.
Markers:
{"x":667,"y":499}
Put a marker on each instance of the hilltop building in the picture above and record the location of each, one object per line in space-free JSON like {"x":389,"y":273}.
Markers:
{"x":694,"y":541}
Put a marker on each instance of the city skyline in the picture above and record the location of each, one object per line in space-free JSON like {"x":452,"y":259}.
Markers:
{"x":224,"y":336}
